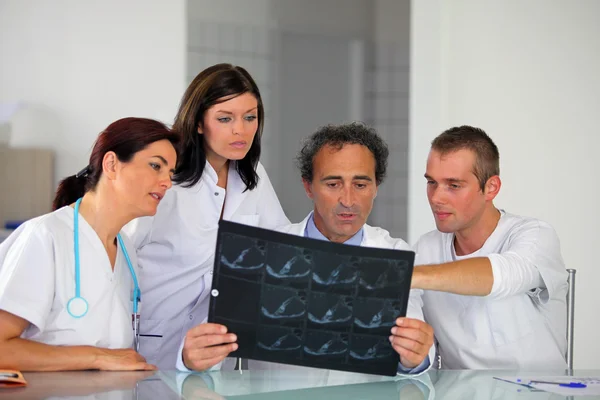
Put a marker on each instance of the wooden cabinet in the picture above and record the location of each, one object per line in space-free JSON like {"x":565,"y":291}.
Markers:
{"x":26,"y":183}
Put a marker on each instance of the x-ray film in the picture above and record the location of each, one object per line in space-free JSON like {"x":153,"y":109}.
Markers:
{"x":300,"y":301}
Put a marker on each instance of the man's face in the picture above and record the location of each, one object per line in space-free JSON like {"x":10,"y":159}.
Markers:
{"x":453,"y":190}
{"x":343,"y":189}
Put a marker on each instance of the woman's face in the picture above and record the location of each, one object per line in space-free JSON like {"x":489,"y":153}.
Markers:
{"x":229,"y":128}
{"x":143,"y":181}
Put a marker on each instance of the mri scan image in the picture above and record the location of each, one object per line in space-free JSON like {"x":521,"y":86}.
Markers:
{"x":308,"y":302}
{"x":279,"y":343}
{"x":330,"y":311}
{"x":282,"y":306}
{"x":288,"y":265}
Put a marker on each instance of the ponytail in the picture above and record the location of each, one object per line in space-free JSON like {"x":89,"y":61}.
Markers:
{"x":70,"y":189}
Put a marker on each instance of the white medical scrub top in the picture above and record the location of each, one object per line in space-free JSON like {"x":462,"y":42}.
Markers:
{"x":37,"y":279}
{"x":176,"y":250}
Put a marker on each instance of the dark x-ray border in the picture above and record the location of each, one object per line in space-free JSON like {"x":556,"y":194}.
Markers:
{"x":225,"y":295}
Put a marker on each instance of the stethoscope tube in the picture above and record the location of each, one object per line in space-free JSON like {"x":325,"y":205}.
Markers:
{"x":77,"y":306}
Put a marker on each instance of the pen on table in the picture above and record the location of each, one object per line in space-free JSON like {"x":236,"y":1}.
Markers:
{"x":9,"y":375}
{"x":562,"y":384}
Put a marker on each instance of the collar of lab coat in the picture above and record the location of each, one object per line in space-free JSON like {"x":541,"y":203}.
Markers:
{"x":234,"y":192}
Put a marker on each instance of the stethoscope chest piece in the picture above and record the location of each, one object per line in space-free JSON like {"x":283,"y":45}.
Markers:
{"x":77,"y":307}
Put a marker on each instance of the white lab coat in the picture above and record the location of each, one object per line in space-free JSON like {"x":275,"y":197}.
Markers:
{"x":37,"y":279}
{"x":512,"y":328}
{"x":176,"y":248}
{"x":372,"y":237}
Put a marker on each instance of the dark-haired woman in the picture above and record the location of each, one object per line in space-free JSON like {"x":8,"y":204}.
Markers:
{"x":220,"y":119}
{"x":68,"y":278}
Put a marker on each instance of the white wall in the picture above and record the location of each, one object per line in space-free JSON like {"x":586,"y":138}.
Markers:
{"x":527,"y":73}
{"x":255,"y":12}
{"x":387,"y":91}
{"x":346,"y":18}
{"x":352,"y":17}
{"x":81,"y":65}
{"x":390,"y":22}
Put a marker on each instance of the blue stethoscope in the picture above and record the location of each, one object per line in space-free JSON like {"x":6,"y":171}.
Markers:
{"x":77,"y":306}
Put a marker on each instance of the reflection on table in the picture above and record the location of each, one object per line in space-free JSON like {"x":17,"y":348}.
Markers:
{"x":334,"y":385}
{"x":295,"y":385}
{"x":282,"y":384}
{"x":101,"y":385}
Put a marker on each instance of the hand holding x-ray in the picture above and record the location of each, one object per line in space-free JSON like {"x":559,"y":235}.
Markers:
{"x":206,"y":345}
{"x":412,"y":339}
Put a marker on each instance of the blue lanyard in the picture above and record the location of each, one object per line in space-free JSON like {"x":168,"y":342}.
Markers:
{"x":77,"y":306}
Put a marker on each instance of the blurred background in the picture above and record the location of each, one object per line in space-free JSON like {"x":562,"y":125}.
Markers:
{"x":525,"y":72}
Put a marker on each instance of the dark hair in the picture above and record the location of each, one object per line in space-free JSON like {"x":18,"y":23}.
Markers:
{"x":125,"y":137}
{"x":487,"y":157}
{"x":206,"y":90}
{"x":337,"y":136}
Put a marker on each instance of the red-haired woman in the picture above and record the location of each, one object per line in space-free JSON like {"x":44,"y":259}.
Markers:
{"x":68,"y":286}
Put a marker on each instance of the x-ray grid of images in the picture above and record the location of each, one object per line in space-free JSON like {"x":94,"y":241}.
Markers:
{"x":306,"y":302}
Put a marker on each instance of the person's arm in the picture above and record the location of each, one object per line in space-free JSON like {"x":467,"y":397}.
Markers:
{"x":472,"y":277}
{"x":27,"y":292}
{"x":139,"y":231}
{"x":27,"y":355}
{"x":419,"y":369}
{"x":531,"y":260}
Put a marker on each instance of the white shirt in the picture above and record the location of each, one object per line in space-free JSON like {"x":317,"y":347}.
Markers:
{"x":37,"y":279}
{"x":176,"y":248}
{"x":521,"y":324}
{"x":371,"y":237}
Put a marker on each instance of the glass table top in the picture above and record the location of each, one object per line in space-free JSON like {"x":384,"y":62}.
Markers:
{"x":284,"y":384}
